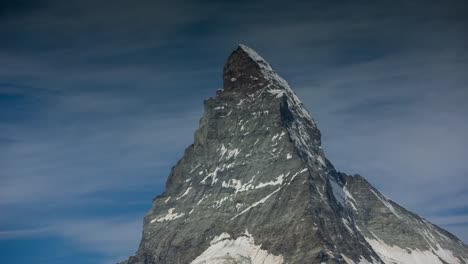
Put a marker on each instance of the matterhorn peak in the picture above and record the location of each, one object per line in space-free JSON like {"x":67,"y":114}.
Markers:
{"x":256,"y":187}
{"x":247,"y":72}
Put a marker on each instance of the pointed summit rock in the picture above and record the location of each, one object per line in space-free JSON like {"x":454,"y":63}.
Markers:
{"x":245,"y":71}
{"x":256,"y":187}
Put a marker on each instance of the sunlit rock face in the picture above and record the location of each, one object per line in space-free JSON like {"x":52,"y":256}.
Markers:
{"x":256,"y":187}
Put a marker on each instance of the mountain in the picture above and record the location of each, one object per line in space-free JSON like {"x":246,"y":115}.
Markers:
{"x":256,"y":187}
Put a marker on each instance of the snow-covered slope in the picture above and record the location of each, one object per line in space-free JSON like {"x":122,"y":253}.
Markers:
{"x":224,"y":249}
{"x":256,"y":187}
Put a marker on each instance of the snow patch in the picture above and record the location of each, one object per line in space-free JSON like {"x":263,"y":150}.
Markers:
{"x":277,"y":92}
{"x":386,"y":203}
{"x":346,"y":223}
{"x":297,"y":173}
{"x":274,"y":137}
{"x":213,"y":175}
{"x":321,"y":161}
{"x":338,"y":192}
{"x":192,"y":170}
{"x":232,"y":153}
{"x":257,"y":203}
{"x":342,"y":195}
{"x":222,"y":151}
{"x":224,"y":249}
{"x":350,"y":198}
{"x":220,"y":202}
{"x":201,"y":200}
{"x":446,"y":255}
{"x":168,"y":217}
{"x":394,"y":254}
{"x":238,"y":186}
{"x":185,"y":193}
{"x":278,"y":181}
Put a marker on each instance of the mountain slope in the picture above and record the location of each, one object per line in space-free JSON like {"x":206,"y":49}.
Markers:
{"x":256,"y":187}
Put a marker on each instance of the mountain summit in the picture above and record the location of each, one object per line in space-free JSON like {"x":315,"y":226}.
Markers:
{"x":256,"y":187}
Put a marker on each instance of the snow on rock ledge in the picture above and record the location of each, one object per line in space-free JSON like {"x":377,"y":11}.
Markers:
{"x":224,"y":250}
{"x":394,"y":254}
{"x":168,"y":217}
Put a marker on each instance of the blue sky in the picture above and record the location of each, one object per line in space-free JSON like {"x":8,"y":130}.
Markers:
{"x":98,"y":100}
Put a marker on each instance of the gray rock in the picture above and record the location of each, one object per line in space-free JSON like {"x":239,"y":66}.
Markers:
{"x":256,"y":187}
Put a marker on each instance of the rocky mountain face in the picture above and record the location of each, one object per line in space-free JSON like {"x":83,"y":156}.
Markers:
{"x":256,"y":187}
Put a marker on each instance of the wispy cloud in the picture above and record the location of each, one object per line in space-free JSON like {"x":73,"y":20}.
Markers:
{"x":89,"y":159}
{"x":23,"y":233}
{"x":452,"y":220}
{"x":115,"y":238}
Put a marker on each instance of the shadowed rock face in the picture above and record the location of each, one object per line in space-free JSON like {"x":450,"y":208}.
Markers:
{"x":242,"y":74}
{"x":255,"y":187}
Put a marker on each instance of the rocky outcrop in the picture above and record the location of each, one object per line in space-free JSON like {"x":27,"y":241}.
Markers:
{"x":256,"y":187}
